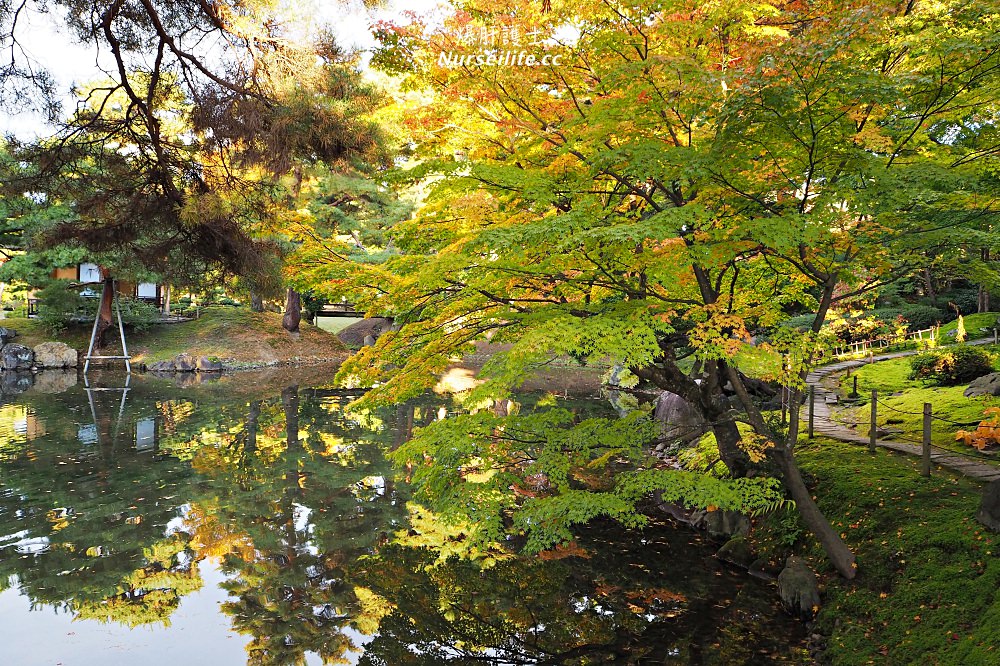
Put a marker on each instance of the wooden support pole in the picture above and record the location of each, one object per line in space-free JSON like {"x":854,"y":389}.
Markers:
{"x":925,"y":467}
{"x":854,"y":393}
{"x":994,"y":336}
{"x":812,"y":410}
{"x":874,"y":428}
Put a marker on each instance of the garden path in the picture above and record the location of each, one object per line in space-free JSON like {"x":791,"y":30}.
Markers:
{"x":826,"y":379}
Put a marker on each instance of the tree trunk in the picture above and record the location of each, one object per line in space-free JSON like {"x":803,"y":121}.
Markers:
{"x":256,"y":302}
{"x":727,"y":437}
{"x":166,"y":300}
{"x":105,"y":314}
{"x":293,"y":311}
{"x":840,"y":555}
{"x":929,"y":284}
{"x":983,"y":302}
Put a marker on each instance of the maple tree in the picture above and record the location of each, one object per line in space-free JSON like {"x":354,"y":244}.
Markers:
{"x":685,"y":176}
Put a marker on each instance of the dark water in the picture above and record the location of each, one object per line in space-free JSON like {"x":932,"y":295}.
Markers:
{"x":247,"y":523}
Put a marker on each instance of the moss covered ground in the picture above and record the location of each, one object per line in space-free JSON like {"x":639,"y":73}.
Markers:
{"x":928,"y":588}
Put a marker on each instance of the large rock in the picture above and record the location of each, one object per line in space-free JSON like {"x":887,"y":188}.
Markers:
{"x":184,"y":363}
{"x":162,"y":367}
{"x":206,"y":364}
{"x":985,"y":385}
{"x":798,"y":589}
{"x":354,"y":335}
{"x":16,"y":357}
{"x":724,"y":524}
{"x":679,"y":419}
{"x":55,"y":355}
{"x":989,"y":506}
{"x":6,"y":335}
{"x":737,"y":551}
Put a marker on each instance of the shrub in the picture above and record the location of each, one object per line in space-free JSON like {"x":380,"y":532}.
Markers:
{"x":966,"y":299}
{"x":954,"y":365}
{"x":59,"y":304}
{"x":918,"y":317}
{"x":138,"y":314}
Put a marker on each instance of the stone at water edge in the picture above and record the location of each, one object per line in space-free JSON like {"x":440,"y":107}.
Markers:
{"x":354,"y":335}
{"x":679,"y":419}
{"x":737,"y":551}
{"x":798,"y":589}
{"x":162,"y":366}
{"x":16,"y":357}
{"x":205,"y":364}
{"x":55,"y":355}
{"x":989,"y":506}
{"x":6,"y":335}
{"x":985,"y":385}
{"x":726,"y":524}
{"x":184,"y":363}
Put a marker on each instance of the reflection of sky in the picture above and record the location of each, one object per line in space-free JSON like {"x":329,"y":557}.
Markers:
{"x":87,"y":434}
{"x":198,"y":634}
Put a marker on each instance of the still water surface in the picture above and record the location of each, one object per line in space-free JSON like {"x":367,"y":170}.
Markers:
{"x":257,"y":521}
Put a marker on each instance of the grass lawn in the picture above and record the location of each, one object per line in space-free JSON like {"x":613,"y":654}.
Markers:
{"x":237,"y":336}
{"x":928,"y":587}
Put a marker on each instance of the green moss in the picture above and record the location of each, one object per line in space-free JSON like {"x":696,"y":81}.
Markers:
{"x":884,"y":376}
{"x":905,"y":413}
{"x":977,"y":325}
{"x":928,"y":588}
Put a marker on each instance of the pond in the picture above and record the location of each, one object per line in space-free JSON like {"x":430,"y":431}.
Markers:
{"x":257,"y":521}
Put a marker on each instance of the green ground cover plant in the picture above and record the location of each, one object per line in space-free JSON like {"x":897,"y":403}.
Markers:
{"x":928,"y":590}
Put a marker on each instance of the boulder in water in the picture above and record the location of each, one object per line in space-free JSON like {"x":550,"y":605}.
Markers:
{"x":55,"y":355}
{"x":206,"y":364}
{"x":16,"y":357}
{"x":798,"y":589}
{"x":724,"y":524}
{"x":679,"y":419}
{"x":737,"y":551}
{"x":184,"y":363}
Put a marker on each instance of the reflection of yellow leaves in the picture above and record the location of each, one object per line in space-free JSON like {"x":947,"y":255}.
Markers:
{"x":660,"y":594}
{"x":59,"y":518}
{"x":373,"y":609}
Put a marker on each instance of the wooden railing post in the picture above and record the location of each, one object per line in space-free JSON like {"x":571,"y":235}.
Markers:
{"x":874,"y":429}
{"x":925,"y":467}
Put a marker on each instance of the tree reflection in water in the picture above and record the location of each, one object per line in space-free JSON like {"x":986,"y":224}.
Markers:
{"x":294,"y":497}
